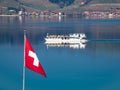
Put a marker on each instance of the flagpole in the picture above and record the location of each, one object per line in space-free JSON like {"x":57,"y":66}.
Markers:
{"x":24,"y":61}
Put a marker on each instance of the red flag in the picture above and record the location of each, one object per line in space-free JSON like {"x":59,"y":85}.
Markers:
{"x":31,"y":60}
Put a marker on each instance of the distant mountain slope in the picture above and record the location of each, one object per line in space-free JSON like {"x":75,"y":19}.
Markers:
{"x":47,"y":5}
{"x":9,"y":3}
{"x":105,"y":1}
{"x":39,"y":4}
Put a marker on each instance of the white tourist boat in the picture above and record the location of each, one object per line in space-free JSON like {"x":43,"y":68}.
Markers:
{"x":68,"y":39}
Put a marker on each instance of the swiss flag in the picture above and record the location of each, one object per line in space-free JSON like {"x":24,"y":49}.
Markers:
{"x":31,"y":60}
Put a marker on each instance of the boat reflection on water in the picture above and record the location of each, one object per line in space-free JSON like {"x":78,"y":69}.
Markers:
{"x":74,"y":46}
{"x":75,"y":41}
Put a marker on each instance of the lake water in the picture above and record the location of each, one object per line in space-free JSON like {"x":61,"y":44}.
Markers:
{"x":94,"y":67}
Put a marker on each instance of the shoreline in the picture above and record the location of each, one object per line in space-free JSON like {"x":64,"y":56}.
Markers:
{"x":88,"y":15}
{"x":10,"y":15}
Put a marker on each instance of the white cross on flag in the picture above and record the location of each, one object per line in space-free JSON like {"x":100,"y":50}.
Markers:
{"x":31,"y":60}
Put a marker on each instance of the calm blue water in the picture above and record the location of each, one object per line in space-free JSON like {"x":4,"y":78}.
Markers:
{"x":96,"y":67}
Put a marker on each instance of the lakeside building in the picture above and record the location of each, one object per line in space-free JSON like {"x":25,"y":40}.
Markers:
{"x":101,"y":14}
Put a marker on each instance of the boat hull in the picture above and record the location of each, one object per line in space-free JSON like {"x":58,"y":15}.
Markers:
{"x":71,"y":41}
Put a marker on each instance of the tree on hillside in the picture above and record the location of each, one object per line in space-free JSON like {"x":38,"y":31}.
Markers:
{"x":62,"y":3}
